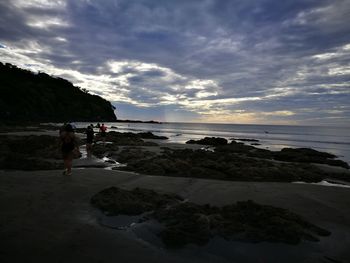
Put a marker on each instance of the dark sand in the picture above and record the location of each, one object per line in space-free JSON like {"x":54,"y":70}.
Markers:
{"x":46,"y":217}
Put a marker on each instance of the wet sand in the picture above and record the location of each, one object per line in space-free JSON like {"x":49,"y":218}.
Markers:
{"x":46,"y":217}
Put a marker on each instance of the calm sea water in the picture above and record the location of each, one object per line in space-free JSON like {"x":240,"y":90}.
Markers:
{"x":334,"y":140}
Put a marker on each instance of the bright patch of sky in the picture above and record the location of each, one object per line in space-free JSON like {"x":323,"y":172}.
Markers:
{"x":283,"y":62}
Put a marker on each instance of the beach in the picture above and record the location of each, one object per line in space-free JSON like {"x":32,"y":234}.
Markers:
{"x":46,"y":216}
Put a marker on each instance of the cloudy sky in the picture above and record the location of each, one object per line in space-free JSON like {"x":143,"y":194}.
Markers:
{"x":232,"y":61}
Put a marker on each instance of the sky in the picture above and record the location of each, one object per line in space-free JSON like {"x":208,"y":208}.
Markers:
{"x":217,"y":61}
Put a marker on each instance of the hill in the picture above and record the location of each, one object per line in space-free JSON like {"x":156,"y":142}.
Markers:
{"x":38,"y":97}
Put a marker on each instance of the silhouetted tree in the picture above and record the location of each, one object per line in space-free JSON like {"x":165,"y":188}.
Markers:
{"x":27,"y":96}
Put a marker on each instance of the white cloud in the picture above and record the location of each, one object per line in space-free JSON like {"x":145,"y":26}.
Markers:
{"x":218,"y":58}
{"x":330,"y":18}
{"x":49,"y":4}
{"x":46,"y":22}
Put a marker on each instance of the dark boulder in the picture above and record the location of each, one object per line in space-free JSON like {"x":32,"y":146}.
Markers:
{"x":214,"y":141}
{"x":306,"y":155}
{"x":245,"y":140}
{"x":149,"y":135}
{"x":100,"y":150}
{"x":116,"y":201}
{"x":125,"y":139}
{"x":30,"y":152}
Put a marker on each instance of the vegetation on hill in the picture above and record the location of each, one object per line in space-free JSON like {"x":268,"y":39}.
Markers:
{"x":33,"y":97}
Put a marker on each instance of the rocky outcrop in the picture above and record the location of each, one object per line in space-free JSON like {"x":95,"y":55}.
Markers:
{"x":244,"y":221}
{"x":306,"y":155}
{"x":129,"y":138}
{"x":150,"y":135}
{"x":30,"y":152}
{"x":100,"y":150}
{"x":115,"y":201}
{"x":300,"y":155}
{"x":244,"y":140}
{"x":186,"y":222}
{"x":220,"y":165}
{"x":214,"y":141}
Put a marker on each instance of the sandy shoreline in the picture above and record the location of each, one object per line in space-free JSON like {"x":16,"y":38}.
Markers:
{"x":47,"y":217}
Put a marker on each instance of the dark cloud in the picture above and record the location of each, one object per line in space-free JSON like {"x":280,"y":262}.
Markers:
{"x":191,"y":55}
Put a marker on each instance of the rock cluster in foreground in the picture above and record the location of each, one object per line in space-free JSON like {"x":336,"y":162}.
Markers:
{"x":186,"y":222}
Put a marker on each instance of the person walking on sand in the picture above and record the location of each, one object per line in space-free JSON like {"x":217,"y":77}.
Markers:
{"x":103,"y":130}
{"x":69,"y":146}
{"x":89,"y":139}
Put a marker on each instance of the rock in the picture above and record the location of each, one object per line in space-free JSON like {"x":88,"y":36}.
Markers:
{"x":110,"y":161}
{"x":128,"y":155}
{"x":258,"y":223}
{"x":100,"y":150}
{"x":30,"y":152}
{"x":80,"y":130}
{"x":126,"y":138}
{"x":307,"y":155}
{"x":304,"y":155}
{"x":115,"y":201}
{"x":235,"y":147}
{"x":149,"y":135}
{"x":221,"y":165}
{"x":209,"y":141}
{"x":130,"y":139}
{"x":186,"y":222}
{"x":24,"y":162}
{"x":245,"y":140}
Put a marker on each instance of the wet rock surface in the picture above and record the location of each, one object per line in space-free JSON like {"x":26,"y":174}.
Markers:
{"x":302,"y":155}
{"x":245,"y":140}
{"x":116,"y":201}
{"x":235,"y":161}
{"x":186,"y":222}
{"x":209,"y":141}
{"x":133,"y":154}
{"x":149,"y":135}
{"x":100,"y":150}
{"x":306,"y":155}
{"x":30,"y":152}
{"x":42,"y":152}
{"x":220,"y":165}
{"x":129,"y":138}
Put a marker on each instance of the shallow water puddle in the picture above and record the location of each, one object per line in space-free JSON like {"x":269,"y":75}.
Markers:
{"x":139,"y":227}
{"x":146,"y":230}
{"x":221,"y":250}
{"x":85,"y":162}
{"x":325,"y":183}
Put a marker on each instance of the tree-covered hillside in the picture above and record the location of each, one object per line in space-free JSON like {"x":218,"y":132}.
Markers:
{"x":32,"y":97}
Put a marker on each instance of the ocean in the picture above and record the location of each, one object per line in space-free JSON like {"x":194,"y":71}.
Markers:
{"x":335,"y":140}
